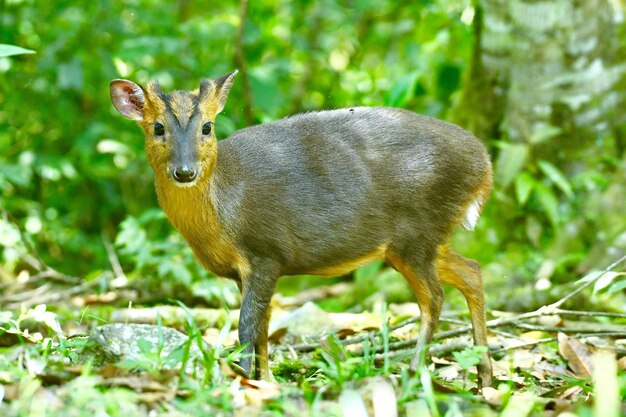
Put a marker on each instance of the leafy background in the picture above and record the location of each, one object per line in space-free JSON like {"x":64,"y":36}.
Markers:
{"x":75,"y":184}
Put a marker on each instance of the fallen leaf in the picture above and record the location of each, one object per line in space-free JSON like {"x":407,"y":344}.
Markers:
{"x":357,"y":322}
{"x":91,"y":299}
{"x":519,"y":405}
{"x":577,"y":355}
{"x":308,"y":320}
{"x":532,"y":336}
{"x":417,"y":408}
{"x":450,"y":373}
{"x":544,"y":368}
{"x":352,"y":404}
{"x":571,"y":393}
{"x":520,"y":358}
{"x":312,"y":294}
{"x":493,"y":396}
{"x":384,"y":399}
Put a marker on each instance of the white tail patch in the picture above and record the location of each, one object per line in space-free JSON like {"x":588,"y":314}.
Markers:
{"x":472,"y":214}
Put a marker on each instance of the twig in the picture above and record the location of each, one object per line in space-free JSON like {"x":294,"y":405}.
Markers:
{"x":41,"y":295}
{"x":22,"y":296}
{"x":524,"y":345}
{"x":589,"y":313}
{"x":438,"y":349}
{"x":552,"y":309}
{"x":113,"y":259}
{"x":308,"y":347}
{"x":506,"y":334}
{"x":240,"y":61}
{"x":53,"y":274}
{"x":30,"y":256}
{"x":587,"y":284}
{"x":568,"y":330}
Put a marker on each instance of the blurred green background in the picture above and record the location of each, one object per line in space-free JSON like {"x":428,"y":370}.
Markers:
{"x":541,"y":83}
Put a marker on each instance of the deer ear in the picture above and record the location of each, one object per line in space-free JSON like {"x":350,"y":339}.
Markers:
{"x":128,"y":98}
{"x":222,"y":88}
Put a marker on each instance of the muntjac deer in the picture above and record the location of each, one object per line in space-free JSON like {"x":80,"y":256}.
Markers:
{"x":317,"y":193}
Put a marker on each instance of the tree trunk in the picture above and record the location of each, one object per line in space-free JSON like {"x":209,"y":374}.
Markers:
{"x":544,"y":69}
{"x":548,"y":76}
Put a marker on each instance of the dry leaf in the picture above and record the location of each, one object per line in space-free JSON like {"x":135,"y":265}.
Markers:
{"x":571,"y":393}
{"x":356,"y":321}
{"x":312,"y":294}
{"x":384,"y":399}
{"x":533,"y":336}
{"x":418,"y":408}
{"x":259,"y":391}
{"x":450,"y":373}
{"x":91,"y":299}
{"x":519,"y":405}
{"x":544,"y":368}
{"x":308,"y":320}
{"x":577,"y":355}
{"x":520,"y":358}
{"x":352,"y":404}
{"x":493,"y":396}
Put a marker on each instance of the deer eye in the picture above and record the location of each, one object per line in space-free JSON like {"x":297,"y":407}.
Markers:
{"x":206,"y":128}
{"x":159,"y":129}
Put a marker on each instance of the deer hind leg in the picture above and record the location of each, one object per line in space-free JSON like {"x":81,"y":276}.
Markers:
{"x":464,"y":274}
{"x":422,"y":277}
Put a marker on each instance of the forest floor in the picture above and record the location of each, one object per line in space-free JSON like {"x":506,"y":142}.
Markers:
{"x":61,"y":354}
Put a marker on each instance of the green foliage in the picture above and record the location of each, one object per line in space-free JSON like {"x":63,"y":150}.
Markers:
{"x":10,"y":50}
{"x":71,"y":169}
{"x":469,"y":357}
{"x":73,"y":174}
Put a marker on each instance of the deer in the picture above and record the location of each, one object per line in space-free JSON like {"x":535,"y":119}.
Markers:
{"x":317,"y":193}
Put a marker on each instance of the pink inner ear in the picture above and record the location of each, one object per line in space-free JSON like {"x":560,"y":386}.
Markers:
{"x":128,"y":99}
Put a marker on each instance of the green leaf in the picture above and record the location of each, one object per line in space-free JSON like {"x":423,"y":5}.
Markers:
{"x":144,"y":346}
{"x":510,"y":162}
{"x":549,"y":202}
{"x":10,"y":50}
{"x":556,"y":177}
{"x":469,"y":357}
{"x":618,"y":286}
{"x":543,"y":132}
{"x":606,"y":279}
{"x":402,"y":90}
{"x":17,"y":174}
{"x":524,"y":185}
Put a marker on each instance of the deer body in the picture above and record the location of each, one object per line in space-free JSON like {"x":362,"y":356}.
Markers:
{"x":318,"y":193}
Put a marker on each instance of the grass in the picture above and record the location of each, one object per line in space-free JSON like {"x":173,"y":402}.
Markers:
{"x":45,"y":370}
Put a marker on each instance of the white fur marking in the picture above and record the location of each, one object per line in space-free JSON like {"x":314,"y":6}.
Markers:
{"x":471,"y":215}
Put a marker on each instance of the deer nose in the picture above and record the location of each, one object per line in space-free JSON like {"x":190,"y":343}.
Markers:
{"x":185,"y":174}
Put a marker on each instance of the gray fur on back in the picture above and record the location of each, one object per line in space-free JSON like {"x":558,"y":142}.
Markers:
{"x":320,"y":188}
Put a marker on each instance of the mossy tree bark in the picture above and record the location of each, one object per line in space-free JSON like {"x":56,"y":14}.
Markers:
{"x":544,"y":70}
{"x":548,"y":76}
